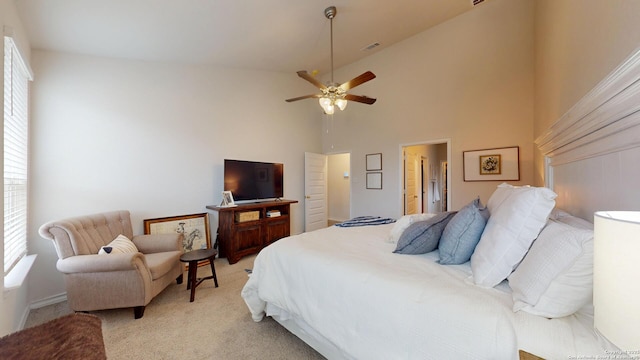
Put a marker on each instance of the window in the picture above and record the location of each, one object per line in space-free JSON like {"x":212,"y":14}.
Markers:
{"x":16,"y":78}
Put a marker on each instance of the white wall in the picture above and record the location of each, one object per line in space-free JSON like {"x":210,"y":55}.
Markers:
{"x":469,"y":79}
{"x":578,"y":43}
{"x":151,"y":138}
{"x":13,"y":304}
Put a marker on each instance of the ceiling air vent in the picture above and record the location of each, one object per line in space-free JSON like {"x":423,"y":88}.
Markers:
{"x":372,"y":46}
{"x":476,"y":2}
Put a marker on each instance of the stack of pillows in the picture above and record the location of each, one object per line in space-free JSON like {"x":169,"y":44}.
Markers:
{"x":545,"y":254}
{"x":455,"y":234}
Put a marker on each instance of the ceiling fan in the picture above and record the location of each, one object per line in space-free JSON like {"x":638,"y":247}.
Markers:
{"x":335,"y":94}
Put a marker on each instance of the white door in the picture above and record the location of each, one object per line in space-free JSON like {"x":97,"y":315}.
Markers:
{"x":315,"y":191}
{"x":424,"y":202}
{"x":411,"y":184}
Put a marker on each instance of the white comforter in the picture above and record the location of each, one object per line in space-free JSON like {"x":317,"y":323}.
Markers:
{"x":372,"y":304}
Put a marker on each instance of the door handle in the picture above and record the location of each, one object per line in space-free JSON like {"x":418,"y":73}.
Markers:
{"x":307,"y":197}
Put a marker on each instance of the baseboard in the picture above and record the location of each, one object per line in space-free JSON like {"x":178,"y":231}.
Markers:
{"x":48,"y":301}
{"x":41,"y":303}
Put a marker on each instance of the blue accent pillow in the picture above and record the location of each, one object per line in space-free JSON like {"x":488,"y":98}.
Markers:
{"x":462,"y":233}
{"x":423,"y":236}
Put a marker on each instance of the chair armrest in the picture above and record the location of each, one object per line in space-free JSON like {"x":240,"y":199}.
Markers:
{"x":101,"y":263}
{"x":155,"y":243}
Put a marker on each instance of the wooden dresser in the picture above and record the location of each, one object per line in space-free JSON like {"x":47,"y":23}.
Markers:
{"x":247,"y":228}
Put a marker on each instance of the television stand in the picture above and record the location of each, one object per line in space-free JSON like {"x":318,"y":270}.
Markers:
{"x":247,"y":228}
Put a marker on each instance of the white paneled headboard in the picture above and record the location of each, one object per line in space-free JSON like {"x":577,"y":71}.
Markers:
{"x":592,"y":153}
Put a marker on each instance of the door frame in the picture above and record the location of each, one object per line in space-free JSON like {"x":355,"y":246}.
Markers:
{"x":446,"y":141}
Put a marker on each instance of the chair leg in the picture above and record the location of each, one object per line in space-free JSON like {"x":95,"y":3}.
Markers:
{"x":179,"y":279}
{"x":138,"y":312}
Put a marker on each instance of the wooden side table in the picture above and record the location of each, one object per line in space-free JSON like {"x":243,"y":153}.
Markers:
{"x":528,"y":356}
{"x":193,"y":257}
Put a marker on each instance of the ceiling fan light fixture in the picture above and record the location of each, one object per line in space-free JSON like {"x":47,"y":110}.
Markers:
{"x":327,"y":105}
{"x":342,"y":104}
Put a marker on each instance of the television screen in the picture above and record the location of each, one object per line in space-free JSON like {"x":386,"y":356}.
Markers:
{"x":251,"y":180}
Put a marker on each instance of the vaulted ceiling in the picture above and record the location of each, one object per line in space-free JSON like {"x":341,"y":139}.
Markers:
{"x":274,"y":35}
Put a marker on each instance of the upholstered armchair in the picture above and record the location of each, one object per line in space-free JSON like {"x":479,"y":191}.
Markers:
{"x":118,"y":279}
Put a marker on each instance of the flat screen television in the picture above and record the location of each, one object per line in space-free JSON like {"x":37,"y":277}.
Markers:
{"x":252,"y":180}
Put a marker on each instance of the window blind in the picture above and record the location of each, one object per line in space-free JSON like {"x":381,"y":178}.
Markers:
{"x":16,"y":79}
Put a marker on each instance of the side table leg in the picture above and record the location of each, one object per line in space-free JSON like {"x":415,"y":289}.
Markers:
{"x":189,"y":269}
{"x":193,"y":278}
{"x":213,"y":270}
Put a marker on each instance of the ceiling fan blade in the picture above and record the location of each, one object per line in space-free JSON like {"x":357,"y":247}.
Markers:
{"x":361,"y":99}
{"x":361,"y":79}
{"x":304,"y":97}
{"x":305,"y":75}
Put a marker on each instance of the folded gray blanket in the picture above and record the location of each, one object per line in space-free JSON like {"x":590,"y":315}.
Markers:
{"x":366,"y":220}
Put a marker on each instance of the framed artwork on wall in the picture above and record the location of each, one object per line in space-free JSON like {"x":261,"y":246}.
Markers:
{"x":497,"y":164}
{"x":374,"y":180}
{"x":374,"y":162}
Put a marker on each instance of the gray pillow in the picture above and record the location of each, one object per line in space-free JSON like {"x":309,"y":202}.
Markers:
{"x":462,"y":233}
{"x":422,"y":237}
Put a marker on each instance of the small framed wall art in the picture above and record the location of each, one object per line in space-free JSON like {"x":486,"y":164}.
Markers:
{"x":498,"y":164}
{"x":374,"y":180}
{"x":374,"y":162}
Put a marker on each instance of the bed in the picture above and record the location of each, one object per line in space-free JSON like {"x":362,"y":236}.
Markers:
{"x":348,"y":295}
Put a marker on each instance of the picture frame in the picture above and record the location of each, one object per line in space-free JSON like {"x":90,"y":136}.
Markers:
{"x":373,"y":162}
{"x":227,"y":199}
{"x":374,"y":180}
{"x":490,"y":164}
{"x":496,"y":164}
{"x":194,"y":227}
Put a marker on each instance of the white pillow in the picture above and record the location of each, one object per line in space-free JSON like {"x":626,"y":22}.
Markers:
{"x":517,"y":214}
{"x":566,"y":218}
{"x":119,"y":245}
{"x":555,"y":279}
{"x":403,"y":223}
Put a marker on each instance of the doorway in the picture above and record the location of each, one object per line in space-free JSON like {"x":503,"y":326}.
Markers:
{"x":327,"y":189}
{"x":339,"y":189}
{"x":425,"y":185}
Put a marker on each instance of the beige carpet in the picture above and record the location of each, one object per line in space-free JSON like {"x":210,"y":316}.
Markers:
{"x":217,"y":325}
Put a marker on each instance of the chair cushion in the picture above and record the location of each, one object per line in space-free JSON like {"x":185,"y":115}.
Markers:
{"x":161,"y":263}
